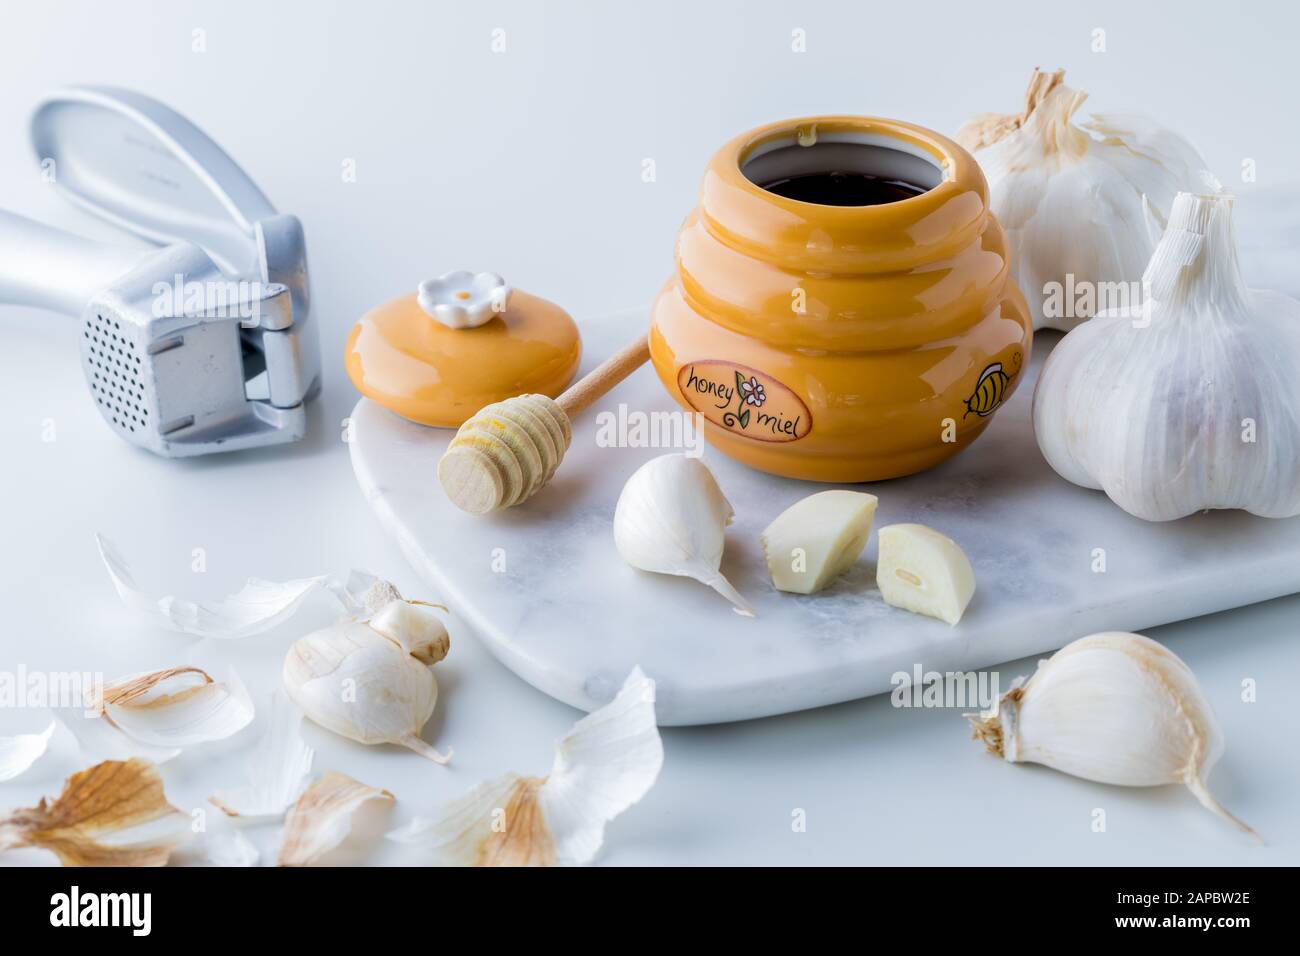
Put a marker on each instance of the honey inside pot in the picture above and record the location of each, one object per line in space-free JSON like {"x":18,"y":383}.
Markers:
{"x":841,"y":308}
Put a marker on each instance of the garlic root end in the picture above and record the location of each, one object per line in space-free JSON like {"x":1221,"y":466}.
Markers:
{"x":738,"y":602}
{"x":415,"y":743}
{"x":987,"y":729}
{"x":1208,"y":800}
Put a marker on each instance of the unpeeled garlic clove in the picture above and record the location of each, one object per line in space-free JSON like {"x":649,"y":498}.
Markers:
{"x":1116,"y":708}
{"x":671,"y":519}
{"x":818,"y":538}
{"x":415,"y":628}
{"x":112,"y":814}
{"x":370,"y":681}
{"x":923,"y":571}
{"x":607,"y":762}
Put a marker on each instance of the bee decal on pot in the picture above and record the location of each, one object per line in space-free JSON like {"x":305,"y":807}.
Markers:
{"x":991,"y":388}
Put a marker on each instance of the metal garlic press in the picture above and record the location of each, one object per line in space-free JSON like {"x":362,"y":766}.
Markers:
{"x":202,"y":345}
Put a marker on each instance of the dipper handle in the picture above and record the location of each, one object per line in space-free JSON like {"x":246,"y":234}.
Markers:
{"x":579,"y":396}
{"x":506,"y":451}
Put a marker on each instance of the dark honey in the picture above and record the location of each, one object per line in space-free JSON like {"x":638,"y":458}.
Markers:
{"x":842,"y":188}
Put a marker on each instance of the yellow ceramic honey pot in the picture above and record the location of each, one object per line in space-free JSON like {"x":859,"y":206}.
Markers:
{"x":462,"y":341}
{"x":841,"y":309}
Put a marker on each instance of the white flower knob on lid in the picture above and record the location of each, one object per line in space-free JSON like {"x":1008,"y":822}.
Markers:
{"x":464,"y":300}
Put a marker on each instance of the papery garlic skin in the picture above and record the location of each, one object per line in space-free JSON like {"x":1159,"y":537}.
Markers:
{"x":19,"y":752}
{"x":1191,"y":403}
{"x":671,"y":519}
{"x":277,"y":769}
{"x":1077,"y":200}
{"x":112,"y":814}
{"x":607,"y":762}
{"x":369,"y":687}
{"x":1115,"y":708}
{"x":321,"y":819}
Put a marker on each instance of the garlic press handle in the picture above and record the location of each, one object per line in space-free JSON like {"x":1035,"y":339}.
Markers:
{"x":147,"y":169}
{"x":48,"y":268}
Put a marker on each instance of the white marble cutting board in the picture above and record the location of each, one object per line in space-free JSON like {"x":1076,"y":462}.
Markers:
{"x":572,"y":619}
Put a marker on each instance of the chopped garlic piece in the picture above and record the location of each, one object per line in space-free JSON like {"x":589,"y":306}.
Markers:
{"x":815,"y":540}
{"x":923,"y":571}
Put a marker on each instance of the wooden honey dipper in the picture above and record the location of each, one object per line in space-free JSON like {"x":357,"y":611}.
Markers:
{"x":507,"y":450}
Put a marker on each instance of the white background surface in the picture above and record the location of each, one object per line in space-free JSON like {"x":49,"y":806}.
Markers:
{"x":529,"y":163}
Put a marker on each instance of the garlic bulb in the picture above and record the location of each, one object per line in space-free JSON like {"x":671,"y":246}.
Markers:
{"x":1077,"y":201}
{"x":370,"y":681}
{"x":670,"y":519}
{"x":1115,"y":708}
{"x":1191,"y":403}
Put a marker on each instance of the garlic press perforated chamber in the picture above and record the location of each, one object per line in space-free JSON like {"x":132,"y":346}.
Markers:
{"x":202,"y":345}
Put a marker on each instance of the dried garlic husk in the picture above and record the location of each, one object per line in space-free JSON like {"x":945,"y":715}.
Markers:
{"x":278,"y":769}
{"x":177,"y":707}
{"x":671,"y":519}
{"x":322,"y":817}
{"x":371,"y":681}
{"x":112,"y":814}
{"x":258,"y":606}
{"x":606,"y":763}
{"x":19,"y":752}
{"x":1078,"y":203}
{"x":154,"y":715}
{"x":1116,"y":708}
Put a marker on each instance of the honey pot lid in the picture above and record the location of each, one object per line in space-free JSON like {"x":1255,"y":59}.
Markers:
{"x":462,"y":341}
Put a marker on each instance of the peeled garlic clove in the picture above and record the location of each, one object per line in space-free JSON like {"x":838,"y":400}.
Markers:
{"x":366,"y":686}
{"x":19,"y":752}
{"x":1116,"y":708}
{"x":670,"y":519}
{"x":278,"y":769}
{"x":815,"y":540}
{"x":177,"y":707}
{"x":605,"y":764}
{"x":322,"y":817}
{"x":923,"y":571}
{"x":112,"y":814}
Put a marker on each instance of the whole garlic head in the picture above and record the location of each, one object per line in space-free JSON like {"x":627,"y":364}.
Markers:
{"x":1077,"y":202}
{"x":1190,"y":403}
{"x":370,"y":681}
